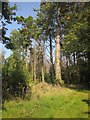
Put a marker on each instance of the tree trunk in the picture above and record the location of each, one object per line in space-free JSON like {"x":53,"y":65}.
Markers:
{"x":39,"y":64}
{"x":75,"y":58}
{"x":40,"y":60}
{"x":67,"y":61}
{"x":42,"y":51}
{"x":88,"y":67}
{"x":42,"y":73}
{"x":23,"y":57}
{"x":27,"y":57}
{"x":34,"y":65}
{"x":51,"y":62}
{"x":58,"y":66}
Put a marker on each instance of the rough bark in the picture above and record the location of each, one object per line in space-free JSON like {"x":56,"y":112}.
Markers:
{"x":58,"y":66}
{"x":51,"y":62}
{"x":40,"y":61}
{"x":34,"y":69}
{"x":32,"y":63}
{"x":42,"y":51}
{"x":42,"y":73}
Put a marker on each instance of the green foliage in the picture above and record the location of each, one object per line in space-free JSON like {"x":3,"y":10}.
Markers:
{"x":8,"y":14}
{"x":75,"y":39}
{"x":7,"y":11}
{"x":71,"y":75}
{"x":47,"y":78}
{"x":28,"y":76}
{"x":15,"y":76}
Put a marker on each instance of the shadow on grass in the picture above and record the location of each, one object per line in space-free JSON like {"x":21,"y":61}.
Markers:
{"x":4,"y":109}
{"x":79,"y":88}
{"x":86,"y":101}
{"x":87,"y":113}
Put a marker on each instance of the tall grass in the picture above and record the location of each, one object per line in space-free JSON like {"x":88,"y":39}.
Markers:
{"x":68,"y":104}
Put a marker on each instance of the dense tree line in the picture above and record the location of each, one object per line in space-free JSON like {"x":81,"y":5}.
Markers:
{"x":52,"y":48}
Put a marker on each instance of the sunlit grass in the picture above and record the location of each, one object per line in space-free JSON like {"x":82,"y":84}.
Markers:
{"x":65,"y":104}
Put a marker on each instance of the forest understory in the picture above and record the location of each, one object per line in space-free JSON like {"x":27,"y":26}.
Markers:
{"x":49,"y":101}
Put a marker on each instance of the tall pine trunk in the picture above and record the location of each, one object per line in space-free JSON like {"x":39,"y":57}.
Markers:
{"x":43,"y":62}
{"x":40,"y":61}
{"x":42,"y":71}
{"x":34,"y":65}
{"x":58,"y":64}
{"x":51,"y":62}
{"x":23,"y":57}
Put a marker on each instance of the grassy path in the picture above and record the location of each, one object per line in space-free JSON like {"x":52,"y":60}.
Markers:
{"x":56,"y":103}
